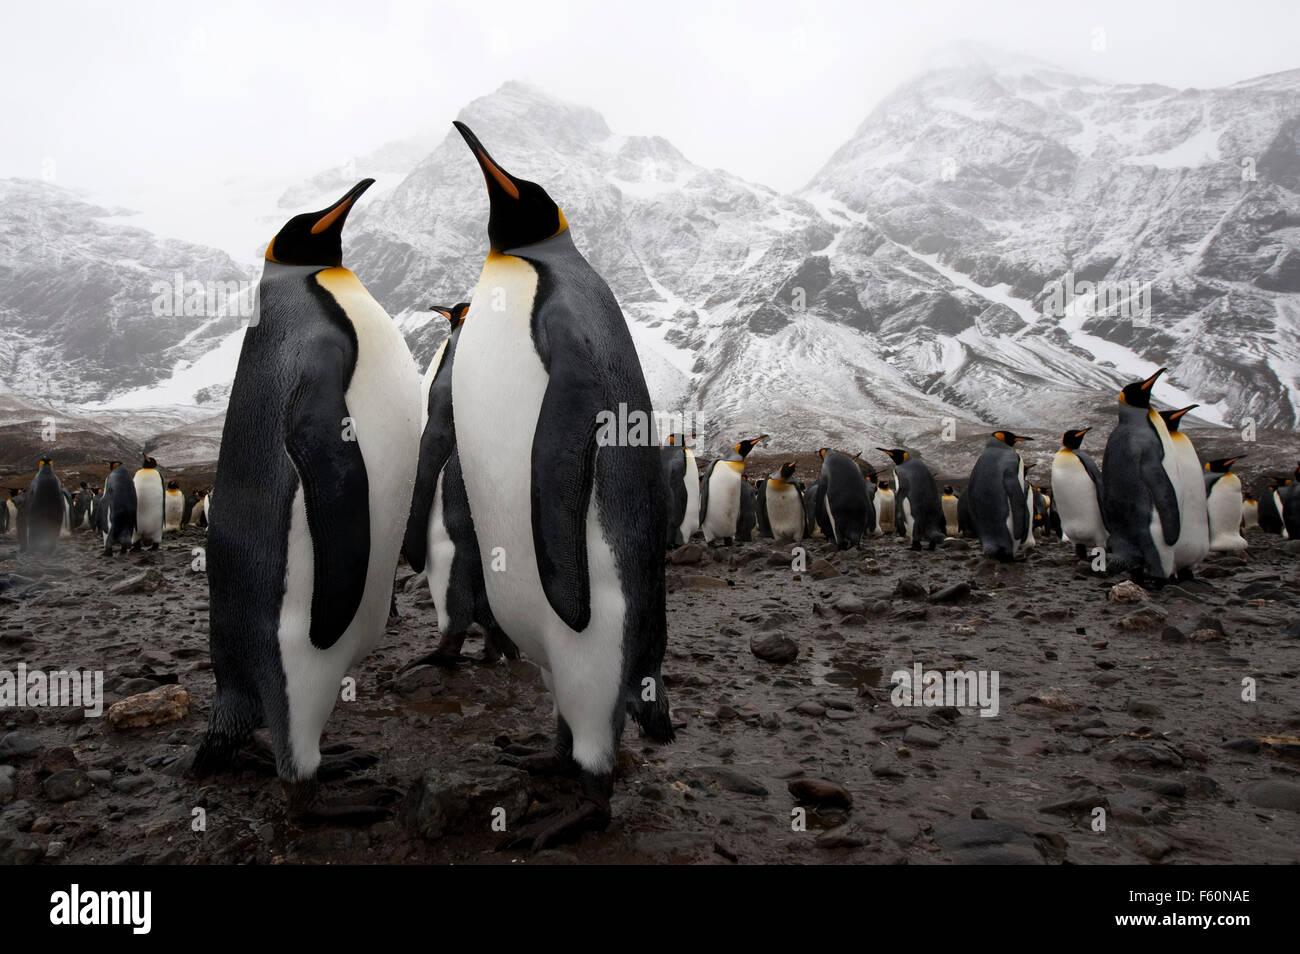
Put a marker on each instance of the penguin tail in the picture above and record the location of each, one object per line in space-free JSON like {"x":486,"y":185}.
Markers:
{"x":648,"y":706}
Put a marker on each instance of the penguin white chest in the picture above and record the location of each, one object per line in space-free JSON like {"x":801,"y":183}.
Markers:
{"x":1075,"y":497}
{"x":498,"y":384}
{"x":724,"y":502}
{"x":691,"y":519}
{"x":784,"y":511}
{"x":1224,"y":508}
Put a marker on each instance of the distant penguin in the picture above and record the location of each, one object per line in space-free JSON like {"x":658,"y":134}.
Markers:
{"x":885,"y":506}
{"x":950,"y":504}
{"x":1189,"y":487}
{"x":682,"y":489}
{"x":440,"y":541}
{"x":1138,"y":501}
{"x":1249,"y":512}
{"x":1001,"y":500}
{"x":747,"y":522}
{"x":1223,"y":502}
{"x":196,"y":518}
{"x":1076,"y":495}
{"x":118,"y":521}
{"x":720,"y":492}
{"x":918,"y":512}
{"x":815,"y":520}
{"x":1270,"y":509}
{"x":1288,"y":496}
{"x":781,"y":504}
{"x":6,"y":517}
{"x":581,"y":521}
{"x":845,"y":499}
{"x":81,"y":505}
{"x":47,"y":509}
{"x":150,"y":503}
{"x":207,"y":506}
{"x":18,"y":500}
{"x":316,"y":467}
{"x":65,"y":529}
{"x":173,"y":506}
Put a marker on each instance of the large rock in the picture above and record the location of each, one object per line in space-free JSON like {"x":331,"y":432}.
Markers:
{"x":820,"y":791}
{"x":67,"y":785}
{"x":167,"y":703}
{"x":1274,"y":793}
{"x":774,"y":648}
{"x":444,"y":800}
{"x":150,"y":581}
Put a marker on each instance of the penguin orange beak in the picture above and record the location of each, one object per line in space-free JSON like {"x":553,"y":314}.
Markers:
{"x":337,"y":214}
{"x":1179,"y":413}
{"x":492,"y":172}
{"x":1019,"y":439}
{"x":1150,"y":382}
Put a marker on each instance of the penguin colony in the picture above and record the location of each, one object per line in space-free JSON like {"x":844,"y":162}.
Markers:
{"x":487,"y":475}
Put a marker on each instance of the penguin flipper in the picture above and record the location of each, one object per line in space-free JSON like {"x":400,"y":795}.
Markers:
{"x":1015,"y":492}
{"x":436,"y":446}
{"x":1163,"y":498}
{"x":336,"y":493}
{"x":704,"y":492}
{"x":563,"y":473}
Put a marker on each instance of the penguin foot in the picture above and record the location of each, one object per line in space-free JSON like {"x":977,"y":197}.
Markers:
{"x":338,"y":761}
{"x":435,"y":658}
{"x":369,"y":805}
{"x":550,"y":764}
{"x":561,"y":824}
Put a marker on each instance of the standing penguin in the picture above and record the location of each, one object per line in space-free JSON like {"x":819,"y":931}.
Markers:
{"x":197,"y":519}
{"x":845,"y":499}
{"x":1001,"y":501}
{"x":440,"y":540}
{"x":316,"y":467}
{"x":1223,"y":504}
{"x":884,"y":505}
{"x":1270,"y":508}
{"x":918,"y":512}
{"x":581,"y":522}
{"x":117,"y":522}
{"x":747,"y":522}
{"x":81,"y":504}
{"x":682,"y":480}
{"x":815,"y":522}
{"x":46,"y":509}
{"x":1189,"y":487}
{"x":1076,"y":494}
{"x":1288,"y":503}
{"x":1249,"y":512}
{"x":150,"y":502}
{"x":950,"y":507}
{"x":173,"y":506}
{"x":1138,"y":502}
{"x":780,"y":504}
{"x":720,"y":492}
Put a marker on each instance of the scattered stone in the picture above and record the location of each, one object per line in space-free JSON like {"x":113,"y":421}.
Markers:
{"x":17,"y":848}
{"x":150,"y":581}
{"x":729,"y":780}
{"x":819,"y":791}
{"x":167,"y":703}
{"x":687,"y":555}
{"x":823,"y":569}
{"x":444,"y":800}
{"x":954,"y":593}
{"x":1147,"y":618}
{"x":919,"y":735}
{"x":849,"y":605}
{"x":1144,"y":710}
{"x":67,"y":785}
{"x":1127,"y":592}
{"x":18,"y":743}
{"x":910,"y":590}
{"x":1172,"y":634}
{"x":987,"y":841}
{"x":813,"y":709}
{"x":1274,"y":793}
{"x":774,"y":648}
{"x":1151,"y":846}
{"x":704,"y":583}
{"x":845,"y":836}
{"x":8,"y":787}
{"x":1205,"y":636}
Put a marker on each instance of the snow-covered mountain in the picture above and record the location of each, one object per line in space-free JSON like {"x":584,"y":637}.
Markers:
{"x":909,"y":282}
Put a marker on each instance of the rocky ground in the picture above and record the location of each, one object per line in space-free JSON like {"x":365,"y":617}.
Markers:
{"x":1132,"y":707}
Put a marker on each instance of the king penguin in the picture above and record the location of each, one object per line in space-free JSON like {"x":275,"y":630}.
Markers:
{"x":1189,"y":487}
{"x":682,"y":490}
{"x":1249,"y":512}
{"x":46,"y":509}
{"x":884,"y":504}
{"x":1001,"y":501}
{"x":918,"y":512}
{"x":844,"y":499}
{"x":173,"y":507}
{"x":1138,"y":502}
{"x":950,"y":507}
{"x":316,"y":468}
{"x":720,"y":492}
{"x":1076,"y":494}
{"x":150,"y":503}
{"x":440,"y":540}
{"x":780,"y":505}
{"x":1223,"y":503}
{"x":1270,"y":509}
{"x":580,"y":524}
{"x":117,"y":522}
{"x":1288,"y":503}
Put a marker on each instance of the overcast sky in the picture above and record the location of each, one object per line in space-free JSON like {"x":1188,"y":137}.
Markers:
{"x":135,"y":99}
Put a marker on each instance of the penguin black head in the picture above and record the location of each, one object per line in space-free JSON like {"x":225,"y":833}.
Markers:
{"x":1011,"y":440}
{"x":46,"y":462}
{"x":884,"y":485}
{"x":948,"y":491}
{"x":316,"y":238}
{"x":744,"y":447}
{"x":897,"y":454}
{"x":173,"y":485}
{"x":149,"y":464}
{"x":113,"y":464}
{"x":1222,"y":465}
{"x":787,"y":470}
{"x":1174,"y":418}
{"x":455,"y":314}
{"x":1071,"y":440}
{"x":1138,"y":394}
{"x":521,"y":211}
